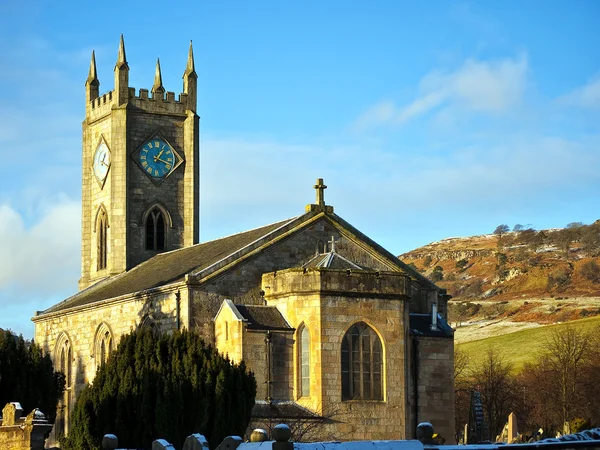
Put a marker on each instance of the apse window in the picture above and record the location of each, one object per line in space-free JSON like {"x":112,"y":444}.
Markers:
{"x":362,"y":364}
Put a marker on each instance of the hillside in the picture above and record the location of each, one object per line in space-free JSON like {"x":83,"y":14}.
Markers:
{"x":516,"y":279}
{"x":510,"y":346}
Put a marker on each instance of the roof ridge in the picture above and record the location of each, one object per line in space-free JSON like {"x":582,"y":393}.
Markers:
{"x":250,"y":230}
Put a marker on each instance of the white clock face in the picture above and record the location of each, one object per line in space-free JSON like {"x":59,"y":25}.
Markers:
{"x":101,"y":162}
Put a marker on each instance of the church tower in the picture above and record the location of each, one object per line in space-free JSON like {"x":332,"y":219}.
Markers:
{"x":140,"y":193}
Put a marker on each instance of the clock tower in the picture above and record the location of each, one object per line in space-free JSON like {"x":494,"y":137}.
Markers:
{"x":140,"y":169}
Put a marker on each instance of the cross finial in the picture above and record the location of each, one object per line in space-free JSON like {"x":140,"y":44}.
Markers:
{"x":320,"y":188}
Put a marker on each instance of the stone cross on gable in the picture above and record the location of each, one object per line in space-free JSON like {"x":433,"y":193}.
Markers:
{"x":332,"y":242}
{"x":320,"y":188}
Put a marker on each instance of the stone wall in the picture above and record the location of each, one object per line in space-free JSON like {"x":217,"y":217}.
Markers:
{"x":329,"y":302}
{"x":435,"y":390}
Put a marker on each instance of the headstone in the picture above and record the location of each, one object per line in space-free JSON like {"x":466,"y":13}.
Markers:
{"x":195,"y":442}
{"x":161,"y":444}
{"x":11,"y":413}
{"x":110,"y":442}
{"x":478,"y":430}
{"x":230,"y":443}
{"x":513,"y":433}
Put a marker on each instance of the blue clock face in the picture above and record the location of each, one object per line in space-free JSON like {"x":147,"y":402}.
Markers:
{"x":157,"y":158}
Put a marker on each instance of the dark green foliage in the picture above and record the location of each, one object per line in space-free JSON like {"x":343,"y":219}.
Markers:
{"x":427,"y":261}
{"x":460,"y":264}
{"x":501,"y":229}
{"x":27,"y":376}
{"x":164,"y":387}
{"x":437,"y":274}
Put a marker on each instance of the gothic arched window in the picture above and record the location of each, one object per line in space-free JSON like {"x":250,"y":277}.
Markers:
{"x":102,"y":344}
{"x":155,"y":230}
{"x":362,"y":364}
{"x":304,"y":361}
{"x":64,"y":363}
{"x":102,"y":231}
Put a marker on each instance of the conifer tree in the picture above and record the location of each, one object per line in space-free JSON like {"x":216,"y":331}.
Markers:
{"x":27,"y":376}
{"x":167,"y":387}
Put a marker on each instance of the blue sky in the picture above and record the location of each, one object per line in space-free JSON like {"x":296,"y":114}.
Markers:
{"x":425,"y":121}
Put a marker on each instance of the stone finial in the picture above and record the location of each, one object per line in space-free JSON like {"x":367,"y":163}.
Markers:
{"x":110,"y":442}
{"x":282,"y":434}
{"x":259,"y":435}
{"x":157,"y":87}
{"x":195,"y":442}
{"x":425,"y":433}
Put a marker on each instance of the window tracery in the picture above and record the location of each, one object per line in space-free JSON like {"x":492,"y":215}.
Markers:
{"x":362,"y":364}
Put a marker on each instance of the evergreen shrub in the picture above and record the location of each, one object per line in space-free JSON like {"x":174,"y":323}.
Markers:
{"x":162,"y":386}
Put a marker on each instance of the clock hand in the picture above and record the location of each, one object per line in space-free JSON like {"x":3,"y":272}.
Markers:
{"x":157,"y":159}
{"x":159,"y":154}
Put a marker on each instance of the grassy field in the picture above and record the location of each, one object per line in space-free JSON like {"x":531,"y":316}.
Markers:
{"x":523,"y":346}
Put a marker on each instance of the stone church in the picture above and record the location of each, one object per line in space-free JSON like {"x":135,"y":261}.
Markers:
{"x":334,"y":327}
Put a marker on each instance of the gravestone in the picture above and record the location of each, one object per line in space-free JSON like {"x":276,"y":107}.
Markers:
{"x":513,"y":433}
{"x":195,"y":442}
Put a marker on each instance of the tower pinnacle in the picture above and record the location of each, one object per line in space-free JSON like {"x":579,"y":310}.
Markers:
{"x":92,"y":75}
{"x":92,"y":85}
{"x":122,"y":76}
{"x":121,"y":58}
{"x":190,"y":80}
{"x":190,"y":68}
{"x":157,"y":87}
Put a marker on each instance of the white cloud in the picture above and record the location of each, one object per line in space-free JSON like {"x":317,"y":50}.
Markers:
{"x":586,"y":96}
{"x":479,"y":86}
{"x":42,"y":258}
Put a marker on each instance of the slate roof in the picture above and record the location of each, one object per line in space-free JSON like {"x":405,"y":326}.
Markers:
{"x":202,"y":259}
{"x":263,"y":318}
{"x":166,"y":268}
{"x":420,"y":325}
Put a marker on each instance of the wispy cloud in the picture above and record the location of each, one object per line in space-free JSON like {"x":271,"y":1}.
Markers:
{"x":479,"y":86}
